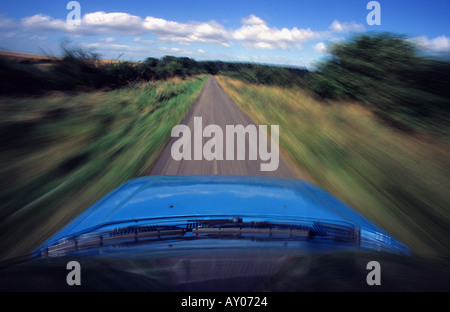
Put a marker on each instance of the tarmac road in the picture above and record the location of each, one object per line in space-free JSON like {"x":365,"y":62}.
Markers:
{"x":215,"y":107}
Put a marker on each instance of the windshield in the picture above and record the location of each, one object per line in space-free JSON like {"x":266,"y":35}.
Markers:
{"x":130,"y":129}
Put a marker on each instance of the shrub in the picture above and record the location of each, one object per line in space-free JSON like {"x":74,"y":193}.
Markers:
{"x":386,"y":72}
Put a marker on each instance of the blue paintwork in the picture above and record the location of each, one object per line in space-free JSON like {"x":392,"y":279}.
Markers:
{"x":254,"y":198}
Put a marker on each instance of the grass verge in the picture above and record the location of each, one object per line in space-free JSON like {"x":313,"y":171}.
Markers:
{"x":398,"y":180}
{"x":62,"y":153}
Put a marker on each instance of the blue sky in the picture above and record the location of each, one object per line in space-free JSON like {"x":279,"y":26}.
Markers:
{"x":276,"y":32}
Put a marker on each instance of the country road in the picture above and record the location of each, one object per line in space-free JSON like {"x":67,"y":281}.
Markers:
{"x":215,"y":107}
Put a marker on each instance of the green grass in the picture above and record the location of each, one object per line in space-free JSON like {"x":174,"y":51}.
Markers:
{"x":62,"y":153}
{"x":398,"y":180}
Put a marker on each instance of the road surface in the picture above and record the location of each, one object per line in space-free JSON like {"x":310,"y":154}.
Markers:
{"x":215,"y":107}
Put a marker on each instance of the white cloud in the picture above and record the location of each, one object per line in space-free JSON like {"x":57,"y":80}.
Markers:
{"x":186,"y":33}
{"x":116,"y":22}
{"x":320,"y":47}
{"x":340,"y":27}
{"x":91,"y":24}
{"x":163,"y":27}
{"x":256,"y":34}
{"x":118,"y":19}
{"x":438,"y":44}
{"x":99,"y":23}
{"x":44,"y":23}
{"x":252,"y":20}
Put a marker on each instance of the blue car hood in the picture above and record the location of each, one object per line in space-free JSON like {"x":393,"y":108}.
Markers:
{"x":255,"y":198}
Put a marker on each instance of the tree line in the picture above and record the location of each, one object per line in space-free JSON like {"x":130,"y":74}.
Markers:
{"x":80,"y":70}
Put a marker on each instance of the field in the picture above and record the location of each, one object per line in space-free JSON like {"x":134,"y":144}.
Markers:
{"x":64,"y":152}
{"x":399,"y":180}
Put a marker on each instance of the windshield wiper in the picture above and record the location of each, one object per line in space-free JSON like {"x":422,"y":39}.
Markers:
{"x":275,"y":230}
{"x":124,"y":235}
{"x":205,"y":228}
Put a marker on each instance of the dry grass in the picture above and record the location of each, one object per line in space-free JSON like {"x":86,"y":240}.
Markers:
{"x":398,"y":180}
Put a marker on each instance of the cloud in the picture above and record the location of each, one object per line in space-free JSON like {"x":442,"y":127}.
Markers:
{"x":117,"y":22}
{"x":438,"y":44}
{"x":101,"y":23}
{"x":186,"y":33}
{"x":44,"y":23}
{"x":252,"y":20}
{"x":320,"y":47}
{"x":91,"y":24}
{"x":256,"y":34}
{"x":341,"y":27}
{"x":170,"y":49}
{"x":253,"y":33}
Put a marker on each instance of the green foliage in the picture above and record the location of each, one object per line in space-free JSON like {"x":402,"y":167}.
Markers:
{"x":386,"y":72}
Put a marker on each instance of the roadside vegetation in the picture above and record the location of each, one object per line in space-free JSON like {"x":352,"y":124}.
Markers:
{"x":371,"y":126}
{"x":79,"y":69}
{"x":387,"y":73}
{"x":398,"y":180}
{"x":62,"y":153}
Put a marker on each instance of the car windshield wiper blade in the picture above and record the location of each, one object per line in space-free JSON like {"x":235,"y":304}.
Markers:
{"x":205,"y":228}
{"x":276,"y":230}
{"x":117,"y":236}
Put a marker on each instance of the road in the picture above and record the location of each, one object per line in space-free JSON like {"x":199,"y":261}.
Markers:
{"x":215,"y":107}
